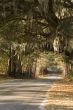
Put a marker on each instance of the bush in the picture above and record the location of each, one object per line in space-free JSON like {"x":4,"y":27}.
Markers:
{"x":69,"y":76}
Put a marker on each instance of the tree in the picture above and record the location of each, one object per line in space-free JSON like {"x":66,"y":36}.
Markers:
{"x":37,"y":21}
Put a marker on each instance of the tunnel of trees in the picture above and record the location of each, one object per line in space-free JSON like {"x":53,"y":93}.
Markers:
{"x":28,"y":27}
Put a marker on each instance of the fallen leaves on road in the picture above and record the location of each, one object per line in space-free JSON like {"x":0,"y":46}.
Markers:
{"x":60,"y":96}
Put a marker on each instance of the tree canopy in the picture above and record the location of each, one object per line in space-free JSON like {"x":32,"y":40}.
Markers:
{"x":35,"y":23}
{"x":38,"y":20}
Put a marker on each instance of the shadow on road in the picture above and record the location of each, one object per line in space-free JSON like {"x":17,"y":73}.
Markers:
{"x":24,"y":94}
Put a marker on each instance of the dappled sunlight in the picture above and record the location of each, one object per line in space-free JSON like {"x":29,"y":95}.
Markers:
{"x":26,"y":94}
{"x":58,"y":107}
{"x":52,"y":76}
{"x":36,"y":52}
{"x":60,"y":97}
{"x":61,"y":102}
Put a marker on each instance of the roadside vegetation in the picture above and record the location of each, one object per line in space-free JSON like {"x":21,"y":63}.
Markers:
{"x":26,"y":31}
{"x":69,"y":76}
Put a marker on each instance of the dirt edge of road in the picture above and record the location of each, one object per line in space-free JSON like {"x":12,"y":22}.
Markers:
{"x":60,"y":96}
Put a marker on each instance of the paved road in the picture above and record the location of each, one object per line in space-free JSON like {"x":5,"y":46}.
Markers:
{"x":23,"y":94}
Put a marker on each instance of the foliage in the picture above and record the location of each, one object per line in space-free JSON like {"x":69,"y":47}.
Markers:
{"x":55,"y":14}
{"x":3,"y":63}
{"x":35,"y":22}
{"x":69,"y":76}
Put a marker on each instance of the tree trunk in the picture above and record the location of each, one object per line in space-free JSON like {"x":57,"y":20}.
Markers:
{"x":9,"y":62}
{"x":19,"y":65}
{"x":14,"y":63}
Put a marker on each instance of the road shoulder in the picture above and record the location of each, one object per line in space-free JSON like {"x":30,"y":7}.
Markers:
{"x":60,"y":97}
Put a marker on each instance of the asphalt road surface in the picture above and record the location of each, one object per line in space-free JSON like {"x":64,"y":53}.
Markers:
{"x":24,"y":94}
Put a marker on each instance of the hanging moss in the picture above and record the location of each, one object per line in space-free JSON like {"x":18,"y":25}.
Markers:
{"x":3,"y":63}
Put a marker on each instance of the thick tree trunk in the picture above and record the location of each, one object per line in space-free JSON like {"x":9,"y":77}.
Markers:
{"x":9,"y":62}
{"x":19,"y":65}
{"x":14,"y":63}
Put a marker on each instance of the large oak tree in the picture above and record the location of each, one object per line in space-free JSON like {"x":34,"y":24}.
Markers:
{"x":37,"y":21}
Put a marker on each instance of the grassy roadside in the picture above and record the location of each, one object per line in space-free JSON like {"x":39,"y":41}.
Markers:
{"x":69,"y":76}
{"x":4,"y":77}
{"x":60,"y":97}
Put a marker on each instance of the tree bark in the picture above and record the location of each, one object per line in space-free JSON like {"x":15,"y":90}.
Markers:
{"x":14,"y":63}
